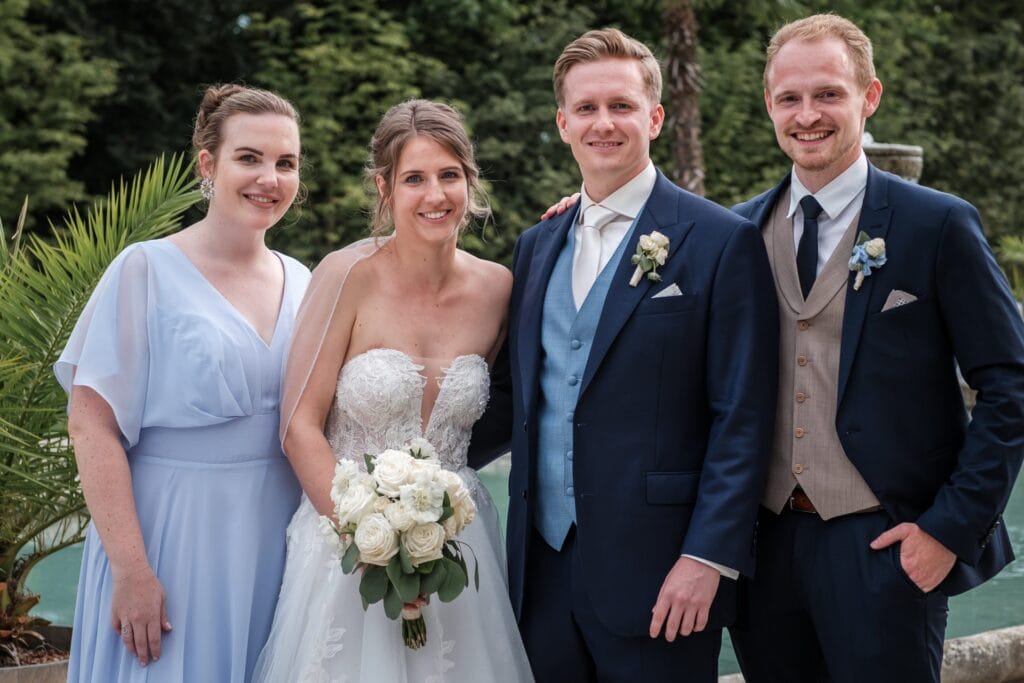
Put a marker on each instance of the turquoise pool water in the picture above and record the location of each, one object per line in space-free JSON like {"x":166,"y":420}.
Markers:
{"x":996,"y":604}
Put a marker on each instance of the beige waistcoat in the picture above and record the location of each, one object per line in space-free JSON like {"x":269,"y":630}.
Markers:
{"x":807,"y":451}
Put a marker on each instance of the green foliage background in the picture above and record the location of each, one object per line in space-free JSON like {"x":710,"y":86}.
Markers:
{"x":90,"y":90}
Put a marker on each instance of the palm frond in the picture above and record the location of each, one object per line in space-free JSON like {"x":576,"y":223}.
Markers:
{"x":44,"y":283}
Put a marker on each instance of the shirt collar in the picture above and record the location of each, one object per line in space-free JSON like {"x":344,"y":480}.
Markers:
{"x":629,"y":199}
{"x":838,"y":194}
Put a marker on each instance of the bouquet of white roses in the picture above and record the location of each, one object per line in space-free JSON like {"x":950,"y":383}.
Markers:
{"x":398,"y":522}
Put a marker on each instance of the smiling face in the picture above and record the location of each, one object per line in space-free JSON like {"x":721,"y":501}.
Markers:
{"x":818,"y":109}
{"x":430,"y":190}
{"x":609,"y":121}
{"x":255,"y":170}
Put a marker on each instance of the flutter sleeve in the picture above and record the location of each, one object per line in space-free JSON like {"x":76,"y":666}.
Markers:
{"x":108,"y":350}
{"x":316,"y":315}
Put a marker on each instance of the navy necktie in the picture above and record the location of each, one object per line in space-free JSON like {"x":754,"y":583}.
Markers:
{"x":807,"y":251}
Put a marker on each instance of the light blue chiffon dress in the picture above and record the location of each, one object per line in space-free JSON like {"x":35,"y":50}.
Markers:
{"x":195,"y":391}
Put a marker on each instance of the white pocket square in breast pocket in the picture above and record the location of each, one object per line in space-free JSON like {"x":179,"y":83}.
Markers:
{"x":671,"y":290}
{"x":897,"y":298}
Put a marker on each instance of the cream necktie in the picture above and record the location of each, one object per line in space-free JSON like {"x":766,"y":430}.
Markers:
{"x":588,"y":262}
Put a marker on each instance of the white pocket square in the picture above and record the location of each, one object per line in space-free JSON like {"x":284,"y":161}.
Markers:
{"x":671,"y":290}
{"x":897,"y":298}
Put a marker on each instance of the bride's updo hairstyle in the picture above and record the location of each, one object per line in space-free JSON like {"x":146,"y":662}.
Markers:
{"x":220,"y":102}
{"x":402,"y":123}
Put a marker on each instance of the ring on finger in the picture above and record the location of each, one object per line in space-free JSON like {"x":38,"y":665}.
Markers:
{"x":126,"y":629}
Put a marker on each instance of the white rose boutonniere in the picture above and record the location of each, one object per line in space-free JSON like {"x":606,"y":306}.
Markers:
{"x":651,"y":252}
{"x":867,"y":254}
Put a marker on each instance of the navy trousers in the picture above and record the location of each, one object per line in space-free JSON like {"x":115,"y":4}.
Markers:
{"x":825,"y":607}
{"x":566,"y":643}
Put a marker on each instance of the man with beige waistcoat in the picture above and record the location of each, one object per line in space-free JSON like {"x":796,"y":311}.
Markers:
{"x":882,"y":499}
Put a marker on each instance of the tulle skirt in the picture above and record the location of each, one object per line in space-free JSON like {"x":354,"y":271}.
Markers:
{"x":322,"y":634}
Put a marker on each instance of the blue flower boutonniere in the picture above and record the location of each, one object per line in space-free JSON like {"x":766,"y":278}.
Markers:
{"x":867,"y":254}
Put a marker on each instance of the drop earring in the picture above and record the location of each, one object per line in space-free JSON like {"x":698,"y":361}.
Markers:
{"x":206,"y":188}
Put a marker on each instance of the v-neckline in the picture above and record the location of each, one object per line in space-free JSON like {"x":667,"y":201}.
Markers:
{"x":268,"y":344}
{"x":442,"y":379}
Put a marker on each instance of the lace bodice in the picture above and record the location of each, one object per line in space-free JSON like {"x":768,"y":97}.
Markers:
{"x":378,"y":405}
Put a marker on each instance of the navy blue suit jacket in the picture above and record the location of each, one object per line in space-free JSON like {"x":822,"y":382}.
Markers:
{"x":672,"y":428}
{"x":900,"y":415}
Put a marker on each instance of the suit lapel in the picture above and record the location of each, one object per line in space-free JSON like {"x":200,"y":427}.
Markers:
{"x":661,"y":213}
{"x":875,"y":218}
{"x":550,"y":241}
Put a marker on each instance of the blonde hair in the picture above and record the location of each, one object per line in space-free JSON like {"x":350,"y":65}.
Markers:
{"x":607,"y":43}
{"x":403,"y":122}
{"x":822,"y":26}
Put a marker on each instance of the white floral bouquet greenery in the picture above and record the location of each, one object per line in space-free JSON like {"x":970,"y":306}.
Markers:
{"x":398,"y":522}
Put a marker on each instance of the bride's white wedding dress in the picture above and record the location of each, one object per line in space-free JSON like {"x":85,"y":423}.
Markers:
{"x":321,"y":632}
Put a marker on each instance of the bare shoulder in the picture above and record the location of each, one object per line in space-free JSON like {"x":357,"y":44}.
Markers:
{"x":344,"y":268}
{"x":491,"y":279}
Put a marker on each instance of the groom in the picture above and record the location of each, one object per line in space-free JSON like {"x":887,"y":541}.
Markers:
{"x":643,"y":405}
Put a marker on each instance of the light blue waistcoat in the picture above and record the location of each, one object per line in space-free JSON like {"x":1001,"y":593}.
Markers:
{"x":566,"y":337}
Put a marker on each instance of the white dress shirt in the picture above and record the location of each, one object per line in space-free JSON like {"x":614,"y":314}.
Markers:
{"x":840,"y":200}
{"x":627,"y":201}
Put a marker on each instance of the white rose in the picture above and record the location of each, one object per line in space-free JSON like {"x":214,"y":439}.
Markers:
{"x":376,"y":539}
{"x":356,"y":502}
{"x":647,"y":243}
{"x":345,"y":473}
{"x":381,"y":504}
{"x":422,"y":449}
{"x":462,"y":516}
{"x":465,"y":510}
{"x":424,"y":499}
{"x":660,"y":255}
{"x":399,"y":516}
{"x":391,"y":470}
{"x":660,"y":241}
{"x":429,"y":468}
{"x":875,"y":247}
{"x":458,"y":493}
{"x":423,"y":542}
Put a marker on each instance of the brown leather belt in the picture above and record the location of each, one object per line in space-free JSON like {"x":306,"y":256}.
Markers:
{"x":800,"y":502}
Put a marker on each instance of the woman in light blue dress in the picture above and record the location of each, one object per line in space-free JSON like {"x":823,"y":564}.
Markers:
{"x":173,"y":372}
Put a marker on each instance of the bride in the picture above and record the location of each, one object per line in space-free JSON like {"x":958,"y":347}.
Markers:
{"x":393,"y":342}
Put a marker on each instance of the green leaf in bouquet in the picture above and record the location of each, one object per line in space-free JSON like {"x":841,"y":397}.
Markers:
{"x":446,"y":508}
{"x":408,"y":587}
{"x":454,"y":581}
{"x":350,"y":558}
{"x":462,"y":559}
{"x":405,"y":560}
{"x":406,"y":584}
{"x":369,"y":462}
{"x":432,"y":582}
{"x":374,"y":583}
{"x":426,"y":568}
{"x":392,"y":603}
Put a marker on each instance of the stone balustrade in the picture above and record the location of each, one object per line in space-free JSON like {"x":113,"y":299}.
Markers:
{"x":989,"y":657}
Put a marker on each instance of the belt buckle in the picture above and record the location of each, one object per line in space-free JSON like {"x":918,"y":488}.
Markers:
{"x":805,"y":505}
